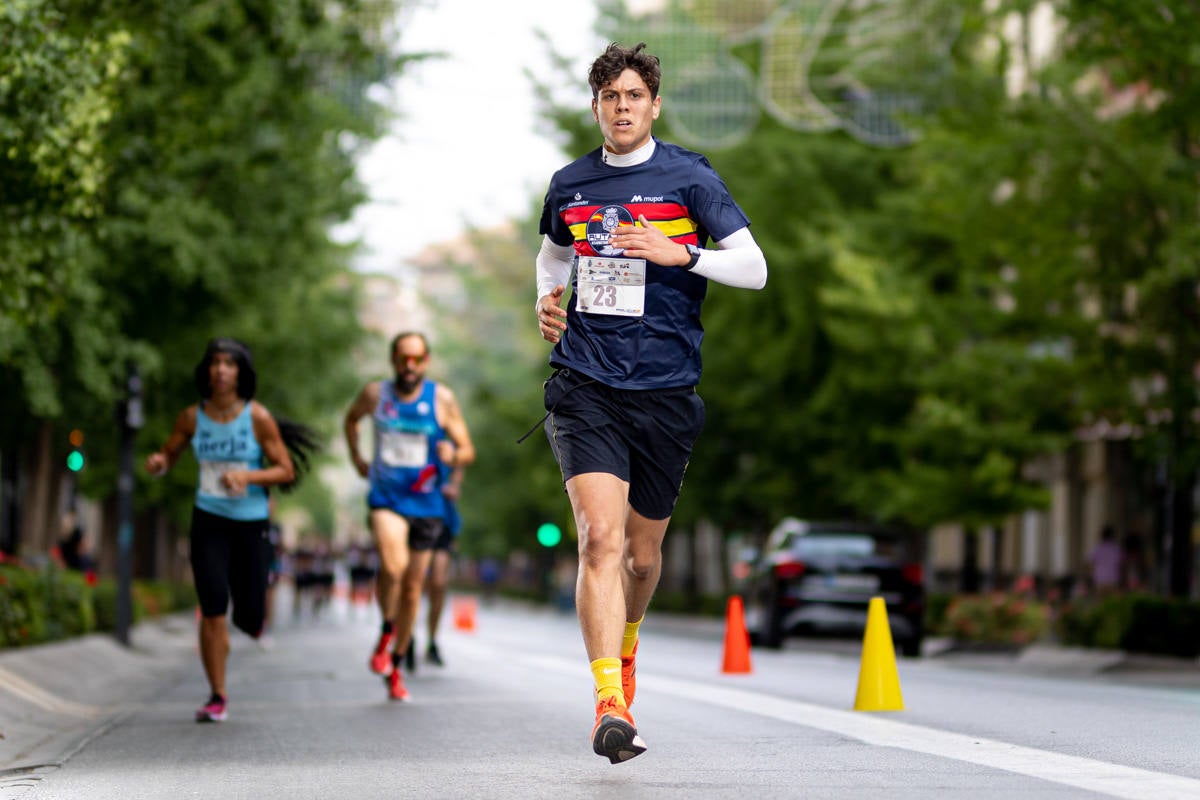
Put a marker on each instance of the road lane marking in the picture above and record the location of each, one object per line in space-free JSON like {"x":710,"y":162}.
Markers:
{"x":30,"y":692}
{"x":1114,"y":780}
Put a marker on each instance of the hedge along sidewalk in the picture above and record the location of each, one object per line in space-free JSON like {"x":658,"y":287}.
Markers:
{"x":56,"y":697}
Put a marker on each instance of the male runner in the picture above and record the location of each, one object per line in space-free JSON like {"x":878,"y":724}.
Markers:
{"x":633,"y":217}
{"x":418,"y":427}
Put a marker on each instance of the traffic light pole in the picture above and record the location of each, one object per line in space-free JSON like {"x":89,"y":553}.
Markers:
{"x":129,"y":417}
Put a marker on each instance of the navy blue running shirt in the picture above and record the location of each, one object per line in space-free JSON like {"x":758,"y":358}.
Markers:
{"x":679,"y":193}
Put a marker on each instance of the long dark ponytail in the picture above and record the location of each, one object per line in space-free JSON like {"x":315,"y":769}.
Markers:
{"x":301,"y":442}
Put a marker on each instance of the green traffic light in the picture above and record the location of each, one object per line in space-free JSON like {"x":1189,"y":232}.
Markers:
{"x":549,"y":534}
{"x":75,"y":461}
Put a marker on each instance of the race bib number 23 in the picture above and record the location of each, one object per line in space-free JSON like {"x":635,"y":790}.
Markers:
{"x":615,"y":286}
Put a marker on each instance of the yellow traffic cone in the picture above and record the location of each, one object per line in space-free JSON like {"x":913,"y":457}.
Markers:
{"x":878,"y":682}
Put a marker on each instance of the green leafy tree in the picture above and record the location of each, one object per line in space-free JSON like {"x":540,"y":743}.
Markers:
{"x":227,"y":138}
{"x":1139,"y":231}
{"x":497,"y":363}
{"x":861,"y":384}
{"x":939,"y":317}
{"x":1051,"y":223}
{"x":57,"y":95}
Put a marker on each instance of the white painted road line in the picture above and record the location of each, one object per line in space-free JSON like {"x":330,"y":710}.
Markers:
{"x":1114,"y":780}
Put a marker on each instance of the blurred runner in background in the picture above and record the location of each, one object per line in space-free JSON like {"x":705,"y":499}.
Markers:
{"x":242,"y":449}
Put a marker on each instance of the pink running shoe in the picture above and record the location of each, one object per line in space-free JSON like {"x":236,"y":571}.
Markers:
{"x":212,"y":711}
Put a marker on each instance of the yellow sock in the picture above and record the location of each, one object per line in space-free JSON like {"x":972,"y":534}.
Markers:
{"x":606,"y":672}
{"x":629,"y":641}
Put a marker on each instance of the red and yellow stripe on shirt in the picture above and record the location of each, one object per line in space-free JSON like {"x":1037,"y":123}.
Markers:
{"x":670,"y":218}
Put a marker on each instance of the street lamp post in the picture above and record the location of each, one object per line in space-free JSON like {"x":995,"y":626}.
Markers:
{"x":130,"y":418}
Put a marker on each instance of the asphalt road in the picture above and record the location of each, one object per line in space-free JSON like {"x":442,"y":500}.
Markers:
{"x":510,"y":713}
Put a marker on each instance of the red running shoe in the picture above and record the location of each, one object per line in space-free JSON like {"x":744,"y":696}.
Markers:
{"x":629,"y":675}
{"x":615,"y":736}
{"x":396,"y":688}
{"x":381,"y":659}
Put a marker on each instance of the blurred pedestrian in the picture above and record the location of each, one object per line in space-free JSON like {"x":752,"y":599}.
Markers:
{"x":303,"y":561}
{"x":633,"y":218}
{"x":73,"y":548}
{"x":418,"y":427}
{"x":274,"y":547}
{"x":1105,"y":562}
{"x":361,"y":562}
{"x":489,"y":577}
{"x":439,"y":568}
{"x":241,"y":449}
{"x":1133,"y":562}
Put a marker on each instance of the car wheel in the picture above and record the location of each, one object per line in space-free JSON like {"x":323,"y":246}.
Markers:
{"x":772,"y":636}
{"x":911,"y":648}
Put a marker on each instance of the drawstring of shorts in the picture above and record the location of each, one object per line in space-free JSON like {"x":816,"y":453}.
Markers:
{"x":538,"y":424}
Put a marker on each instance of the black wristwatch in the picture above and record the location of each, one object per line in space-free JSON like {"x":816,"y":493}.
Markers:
{"x":694,"y":252}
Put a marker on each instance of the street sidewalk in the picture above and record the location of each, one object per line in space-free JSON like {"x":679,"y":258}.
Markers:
{"x":55,"y":697}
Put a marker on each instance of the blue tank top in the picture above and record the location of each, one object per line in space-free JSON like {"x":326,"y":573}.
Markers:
{"x":404,"y":473}
{"x":224,"y":446}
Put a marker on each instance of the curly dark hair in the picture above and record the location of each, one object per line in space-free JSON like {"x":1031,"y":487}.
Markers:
{"x":616,"y":59}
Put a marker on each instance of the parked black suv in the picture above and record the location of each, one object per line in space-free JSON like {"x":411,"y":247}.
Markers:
{"x":819,"y":577}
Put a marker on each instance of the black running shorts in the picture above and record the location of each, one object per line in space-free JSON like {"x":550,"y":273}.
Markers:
{"x":231,"y":558}
{"x":643,"y":437}
{"x":423,"y":532}
{"x":445,"y":540}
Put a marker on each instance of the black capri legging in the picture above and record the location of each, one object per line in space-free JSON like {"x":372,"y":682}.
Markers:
{"x":231,"y":558}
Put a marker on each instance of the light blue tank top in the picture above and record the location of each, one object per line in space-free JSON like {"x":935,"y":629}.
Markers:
{"x":220,"y":447}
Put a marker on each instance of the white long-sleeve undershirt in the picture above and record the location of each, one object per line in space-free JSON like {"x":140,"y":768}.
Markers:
{"x":553,"y":266}
{"x":738,"y":262}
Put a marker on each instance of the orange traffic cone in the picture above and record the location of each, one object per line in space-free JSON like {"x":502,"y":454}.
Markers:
{"x":464,"y":613}
{"x":878,"y":681}
{"x":737,"y":639}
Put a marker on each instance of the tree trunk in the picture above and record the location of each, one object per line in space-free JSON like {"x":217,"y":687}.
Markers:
{"x":40,"y":507}
{"x":10,"y":517}
{"x":996,"y":575}
{"x":1182,"y":509}
{"x":969,"y":578}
